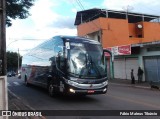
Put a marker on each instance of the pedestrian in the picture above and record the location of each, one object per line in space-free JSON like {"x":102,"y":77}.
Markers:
{"x":140,"y":74}
{"x":132,"y":77}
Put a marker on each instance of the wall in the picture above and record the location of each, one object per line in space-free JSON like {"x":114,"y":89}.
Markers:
{"x":3,"y":93}
{"x":132,"y":30}
{"x":88,"y":28}
{"x":151,"y":31}
{"x":117,"y":32}
{"x":94,"y":35}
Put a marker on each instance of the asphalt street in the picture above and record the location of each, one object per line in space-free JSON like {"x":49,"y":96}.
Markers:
{"x":118,"y":97}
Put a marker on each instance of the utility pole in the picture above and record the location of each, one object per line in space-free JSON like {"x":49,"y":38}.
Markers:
{"x":3,"y":62}
{"x":18,"y":61}
{"x":2,"y":38}
{"x":127,"y":9}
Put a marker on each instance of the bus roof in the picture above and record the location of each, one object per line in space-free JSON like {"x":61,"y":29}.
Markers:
{"x":78,"y":39}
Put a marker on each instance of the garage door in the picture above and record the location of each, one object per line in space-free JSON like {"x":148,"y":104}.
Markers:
{"x":152,"y":68}
{"x":131,"y":63}
{"x":119,"y":68}
{"x":122,"y":68}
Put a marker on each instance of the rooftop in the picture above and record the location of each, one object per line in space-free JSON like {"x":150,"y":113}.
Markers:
{"x":91,"y":14}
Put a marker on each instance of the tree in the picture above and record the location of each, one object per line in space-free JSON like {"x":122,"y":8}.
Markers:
{"x":17,"y":9}
{"x":12,"y":61}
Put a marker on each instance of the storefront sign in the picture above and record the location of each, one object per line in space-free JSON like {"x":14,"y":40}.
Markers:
{"x":124,"y":50}
{"x":119,"y":50}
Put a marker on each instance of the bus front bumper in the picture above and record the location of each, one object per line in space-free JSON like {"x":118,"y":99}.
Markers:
{"x":72,"y":90}
{"x":77,"y":88}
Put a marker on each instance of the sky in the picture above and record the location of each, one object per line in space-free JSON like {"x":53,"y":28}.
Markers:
{"x":49,"y":18}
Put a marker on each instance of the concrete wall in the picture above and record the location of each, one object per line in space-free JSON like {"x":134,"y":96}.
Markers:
{"x":3,"y":93}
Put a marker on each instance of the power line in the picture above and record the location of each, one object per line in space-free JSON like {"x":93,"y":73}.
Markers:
{"x":82,"y":7}
{"x":80,"y":4}
{"x":26,"y":39}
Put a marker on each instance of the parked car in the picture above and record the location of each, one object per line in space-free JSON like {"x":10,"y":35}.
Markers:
{"x":13,"y":73}
{"x":9,"y":74}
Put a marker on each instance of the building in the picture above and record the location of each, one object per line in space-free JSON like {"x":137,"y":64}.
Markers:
{"x":133,"y":38}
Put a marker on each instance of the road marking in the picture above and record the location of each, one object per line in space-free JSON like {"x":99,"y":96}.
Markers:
{"x":135,"y":101}
{"x":16,"y":83}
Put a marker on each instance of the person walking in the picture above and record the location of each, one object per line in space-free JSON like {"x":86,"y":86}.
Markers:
{"x":140,"y":74}
{"x":132,"y":77}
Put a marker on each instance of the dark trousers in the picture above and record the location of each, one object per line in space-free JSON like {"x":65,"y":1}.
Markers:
{"x":133,"y":80}
{"x":139,"y":78}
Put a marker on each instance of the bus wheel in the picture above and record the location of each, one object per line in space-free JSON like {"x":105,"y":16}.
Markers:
{"x":51,"y":90}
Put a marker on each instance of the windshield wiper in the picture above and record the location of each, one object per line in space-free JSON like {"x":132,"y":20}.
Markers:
{"x":89,"y":65}
{"x":93,"y":64}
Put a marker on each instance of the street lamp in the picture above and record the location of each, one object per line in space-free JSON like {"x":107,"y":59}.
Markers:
{"x":12,"y":42}
{"x":18,"y":62}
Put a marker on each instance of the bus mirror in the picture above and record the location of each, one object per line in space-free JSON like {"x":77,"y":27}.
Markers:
{"x":111,"y":54}
{"x":60,"y":63}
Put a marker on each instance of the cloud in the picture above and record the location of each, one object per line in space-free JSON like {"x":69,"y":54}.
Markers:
{"x":64,"y":22}
{"x":42,"y":14}
{"x":43,"y":23}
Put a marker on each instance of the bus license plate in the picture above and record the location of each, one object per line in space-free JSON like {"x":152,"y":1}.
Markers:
{"x":90,"y":91}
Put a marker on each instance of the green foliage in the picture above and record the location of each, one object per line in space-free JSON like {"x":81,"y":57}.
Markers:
{"x":12,"y":61}
{"x":17,"y":9}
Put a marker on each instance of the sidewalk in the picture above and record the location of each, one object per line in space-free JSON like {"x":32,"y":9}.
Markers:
{"x":126,"y":82}
{"x":15,"y":103}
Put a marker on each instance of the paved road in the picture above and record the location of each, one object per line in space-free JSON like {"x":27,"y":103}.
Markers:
{"x":118,"y":98}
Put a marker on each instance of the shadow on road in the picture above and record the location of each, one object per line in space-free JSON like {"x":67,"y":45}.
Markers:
{"x":65,"y":98}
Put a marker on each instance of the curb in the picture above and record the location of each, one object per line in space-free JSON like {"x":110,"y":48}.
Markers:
{"x":144,"y":87}
{"x":16,"y":103}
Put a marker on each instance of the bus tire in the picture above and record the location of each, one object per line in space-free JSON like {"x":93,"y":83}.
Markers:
{"x":51,"y":89}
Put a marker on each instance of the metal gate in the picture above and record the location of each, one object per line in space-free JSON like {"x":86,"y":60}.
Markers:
{"x":123,"y":66}
{"x":152,"y":68}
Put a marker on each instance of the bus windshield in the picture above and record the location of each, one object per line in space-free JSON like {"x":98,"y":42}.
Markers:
{"x":86,"y":60}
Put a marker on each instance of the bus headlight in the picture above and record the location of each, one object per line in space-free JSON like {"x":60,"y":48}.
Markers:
{"x":104,"y":90}
{"x":71,"y":90}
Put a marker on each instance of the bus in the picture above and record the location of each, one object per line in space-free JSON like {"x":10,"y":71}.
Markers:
{"x":68,"y":65}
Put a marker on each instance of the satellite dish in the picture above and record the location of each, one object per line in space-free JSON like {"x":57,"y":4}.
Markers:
{"x":139,"y":26}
